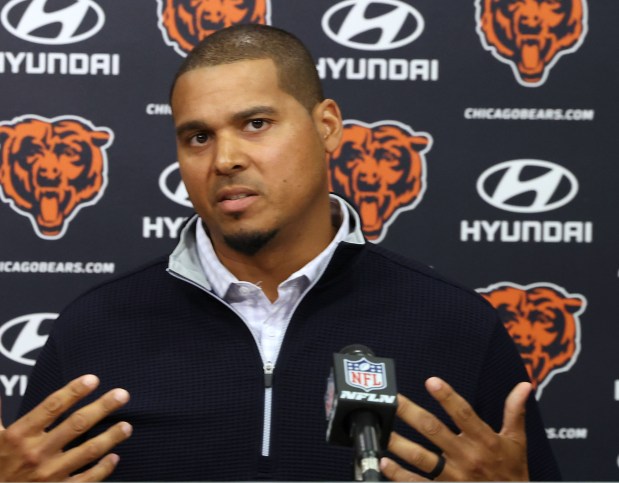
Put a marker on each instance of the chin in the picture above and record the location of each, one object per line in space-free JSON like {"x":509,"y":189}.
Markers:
{"x":249,"y":243}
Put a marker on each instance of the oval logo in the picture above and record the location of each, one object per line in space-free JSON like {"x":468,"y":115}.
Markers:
{"x":527,"y":186}
{"x":172,"y":185}
{"x":35,"y":21}
{"x":373,"y":24}
{"x":22,"y":337}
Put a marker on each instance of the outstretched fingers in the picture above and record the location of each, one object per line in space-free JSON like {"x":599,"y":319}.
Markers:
{"x":479,"y":453}
{"x":53,"y":406}
{"x":476,"y":453}
{"x":460,"y":412}
{"x":85,"y":418}
{"x":425,"y":423}
{"x":94,"y":449}
{"x":29,"y":451}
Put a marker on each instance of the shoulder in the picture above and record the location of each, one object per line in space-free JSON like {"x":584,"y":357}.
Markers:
{"x":406,"y":275}
{"x":145,"y":289}
{"x":140,"y":278}
{"x":415,"y":300}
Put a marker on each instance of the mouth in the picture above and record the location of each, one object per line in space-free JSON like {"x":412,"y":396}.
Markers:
{"x":235,"y":197}
{"x":50,"y":215}
{"x":532,"y":53}
{"x":372,"y":209}
{"x":235,"y":200}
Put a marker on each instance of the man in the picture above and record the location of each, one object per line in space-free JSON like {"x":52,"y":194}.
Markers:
{"x":226,"y":355}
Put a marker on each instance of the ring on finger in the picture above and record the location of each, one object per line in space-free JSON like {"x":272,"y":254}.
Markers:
{"x":438,"y":469}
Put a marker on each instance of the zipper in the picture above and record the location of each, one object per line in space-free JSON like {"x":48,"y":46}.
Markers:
{"x":268,"y":366}
{"x":268,"y":369}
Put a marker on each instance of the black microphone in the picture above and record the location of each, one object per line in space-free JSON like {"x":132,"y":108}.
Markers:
{"x":361,"y":401}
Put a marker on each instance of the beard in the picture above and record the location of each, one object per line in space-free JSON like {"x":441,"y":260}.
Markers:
{"x":249,"y":243}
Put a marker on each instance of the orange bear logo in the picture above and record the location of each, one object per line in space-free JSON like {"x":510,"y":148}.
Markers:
{"x":381,"y":168}
{"x":543,"y":321}
{"x":185,"y":23}
{"x":50,"y":168}
{"x":531,"y":35}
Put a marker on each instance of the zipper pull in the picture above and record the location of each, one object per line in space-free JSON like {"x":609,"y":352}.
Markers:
{"x":268,"y":374}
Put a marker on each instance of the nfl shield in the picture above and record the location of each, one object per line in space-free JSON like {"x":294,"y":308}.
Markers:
{"x":366,"y":375}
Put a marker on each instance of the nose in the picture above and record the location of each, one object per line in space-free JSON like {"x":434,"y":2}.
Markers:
{"x":47,"y":171}
{"x":369,"y":174}
{"x":530,"y":14}
{"x":229,"y":157}
{"x":214,"y":11}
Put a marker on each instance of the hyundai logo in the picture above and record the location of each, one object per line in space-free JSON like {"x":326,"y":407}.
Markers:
{"x":372,"y":24}
{"x":22,"y":338}
{"x":35,"y":21}
{"x":527,"y":186}
{"x":172,"y":185}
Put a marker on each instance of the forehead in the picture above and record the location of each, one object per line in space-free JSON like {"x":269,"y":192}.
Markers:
{"x":226,"y":88}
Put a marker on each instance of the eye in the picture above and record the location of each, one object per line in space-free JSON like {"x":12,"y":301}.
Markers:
{"x":29,"y":150}
{"x":69,"y":152}
{"x":257,"y":125}
{"x":199,"y":139}
{"x":384,"y":155}
{"x":65,"y":150}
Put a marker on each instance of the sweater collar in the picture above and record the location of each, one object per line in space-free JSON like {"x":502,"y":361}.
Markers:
{"x":184,"y":261}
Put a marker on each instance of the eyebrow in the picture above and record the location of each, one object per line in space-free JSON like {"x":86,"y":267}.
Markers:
{"x":191,"y":126}
{"x":253,"y":111}
{"x":236,"y":117}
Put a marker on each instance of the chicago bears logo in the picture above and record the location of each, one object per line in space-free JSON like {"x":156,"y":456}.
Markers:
{"x":543,"y":321}
{"x":184,"y":23}
{"x":381,"y":168}
{"x":531,"y":35}
{"x":50,"y":168}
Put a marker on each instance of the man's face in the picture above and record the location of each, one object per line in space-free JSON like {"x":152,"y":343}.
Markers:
{"x":252,"y":157}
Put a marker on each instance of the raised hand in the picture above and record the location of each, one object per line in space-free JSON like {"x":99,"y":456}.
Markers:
{"x":29,"y":452}
{"x":477,"y":453}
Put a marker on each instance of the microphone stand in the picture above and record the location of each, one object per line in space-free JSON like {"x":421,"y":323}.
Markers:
{"x":365,"y":435}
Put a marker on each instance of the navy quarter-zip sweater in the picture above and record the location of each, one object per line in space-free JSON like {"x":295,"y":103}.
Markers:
{"x":196,"y":378}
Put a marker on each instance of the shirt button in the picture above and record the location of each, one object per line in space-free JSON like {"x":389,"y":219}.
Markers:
{"x":272,"y":332}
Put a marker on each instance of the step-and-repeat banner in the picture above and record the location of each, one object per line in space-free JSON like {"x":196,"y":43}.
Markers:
{"x":485,"y":134}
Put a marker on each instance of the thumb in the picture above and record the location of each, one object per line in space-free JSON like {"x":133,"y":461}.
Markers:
{"x":514,"y":412}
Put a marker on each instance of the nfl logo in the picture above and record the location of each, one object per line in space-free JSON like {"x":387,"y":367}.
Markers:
{"x":366,"y":375}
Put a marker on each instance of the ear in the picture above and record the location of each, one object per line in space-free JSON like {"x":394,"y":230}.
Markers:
{"x":328,"y":120}
{"x":573,"y":305}
{"x":99,"y":138}
{"x":419,"y":143}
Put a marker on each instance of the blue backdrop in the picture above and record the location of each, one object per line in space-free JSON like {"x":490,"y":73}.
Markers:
{"x":504,"y":115}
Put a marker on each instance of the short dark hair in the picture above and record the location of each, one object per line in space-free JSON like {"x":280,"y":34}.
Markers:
{"x":296,"y":70}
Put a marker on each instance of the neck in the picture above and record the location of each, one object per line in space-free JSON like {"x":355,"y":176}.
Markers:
{"x":278,"y":259}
